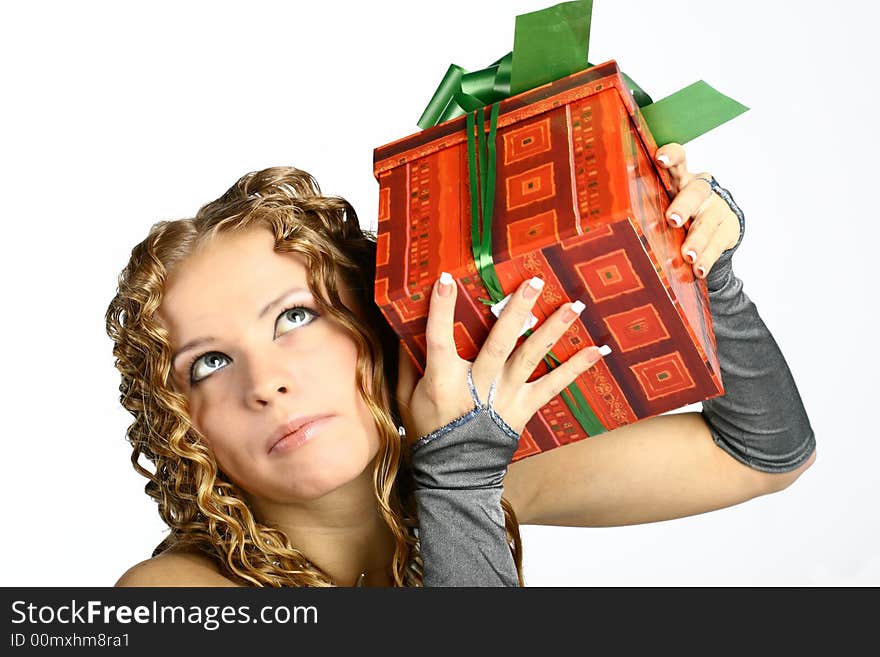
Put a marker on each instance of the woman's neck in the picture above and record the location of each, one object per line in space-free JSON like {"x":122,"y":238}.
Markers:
{"x":342,"y":533}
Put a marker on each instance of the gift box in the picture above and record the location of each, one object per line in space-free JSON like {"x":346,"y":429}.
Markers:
{"x":578,"y":202}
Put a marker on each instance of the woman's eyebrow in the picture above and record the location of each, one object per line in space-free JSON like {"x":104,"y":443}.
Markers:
{"x":198,"y":342}
{"x":281,"y":297}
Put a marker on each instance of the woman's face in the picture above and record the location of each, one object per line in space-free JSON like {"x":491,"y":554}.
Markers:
{"x":259,"y":367}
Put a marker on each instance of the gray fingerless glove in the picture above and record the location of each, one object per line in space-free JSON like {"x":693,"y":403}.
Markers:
{"x":760,"y":420}
{"x":459,"y":471}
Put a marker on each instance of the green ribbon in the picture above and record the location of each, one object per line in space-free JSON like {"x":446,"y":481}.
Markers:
{"x":481,"y":174}
{"x":482,"y":182}
{"x":550,"y":43}
{"x":689,"y":113}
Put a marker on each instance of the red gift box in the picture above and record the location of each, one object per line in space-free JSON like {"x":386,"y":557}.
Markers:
{"x":579,"y":203}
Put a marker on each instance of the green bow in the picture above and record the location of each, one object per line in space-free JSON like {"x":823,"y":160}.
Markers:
{"x":554,"y":42}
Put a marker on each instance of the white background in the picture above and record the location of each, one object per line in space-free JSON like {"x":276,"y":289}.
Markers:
{"x":116,"y":115}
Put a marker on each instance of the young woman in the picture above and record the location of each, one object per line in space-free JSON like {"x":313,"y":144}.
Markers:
{"x":270,"y":396}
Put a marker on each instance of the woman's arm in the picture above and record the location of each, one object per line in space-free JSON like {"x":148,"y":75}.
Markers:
{"x":459,"y":467}
{"x":661,"y":468}
{"x":753,"y":440}
{"x":458,"y":472}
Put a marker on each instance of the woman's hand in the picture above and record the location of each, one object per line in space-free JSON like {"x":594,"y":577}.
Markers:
{"x":442,"y":394}
{"x":715,"y":227}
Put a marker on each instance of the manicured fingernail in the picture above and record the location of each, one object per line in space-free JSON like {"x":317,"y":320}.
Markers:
{"x":690,"y":255}
{"x":663,"y":159}
{"x":676,"y":219}
{"x":604,"y":350}
{"x":535,"y":285}
{"x":446,"y":282}
{"x":701,"y":271}
{"x":573,"y":311}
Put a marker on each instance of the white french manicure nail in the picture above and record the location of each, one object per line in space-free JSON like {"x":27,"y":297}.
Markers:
{"x":604,"y":350}
{"x":676,"y":219}
{"x":537,"y":283}
{"x":578,"y":307}
{"x":446,"y":278}
{"x":664,"y":159}
{"x":690,"y":255}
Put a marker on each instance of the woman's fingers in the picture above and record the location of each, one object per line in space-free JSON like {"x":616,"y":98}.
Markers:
{"x":708,"y":255}
{"x":695,"y":246}
{"x":439,"y":333}
{"x":504,"y":334}
{"x":715,"y":226}
{"x":441,"y":394}
{"x":689,"y":200}
{"x":540,"y":391}
{"x":530,"y":353}
{"x":715,"y":229}
{"x":672,"y":157}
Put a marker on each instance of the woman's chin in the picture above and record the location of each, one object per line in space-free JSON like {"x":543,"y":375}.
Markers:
{"x":317,"y":479}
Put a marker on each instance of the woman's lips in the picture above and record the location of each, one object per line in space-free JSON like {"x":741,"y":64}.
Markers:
{"x":301,"y":436}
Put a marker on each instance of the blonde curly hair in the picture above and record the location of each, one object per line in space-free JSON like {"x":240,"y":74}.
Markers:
{"x":204,"y":510}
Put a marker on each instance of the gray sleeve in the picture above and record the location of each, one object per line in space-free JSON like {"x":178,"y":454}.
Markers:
{"x":459,"y":471}
{"x":760,"y":420}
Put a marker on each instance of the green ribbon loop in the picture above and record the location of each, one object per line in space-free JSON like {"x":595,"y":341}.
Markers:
{"x":460,"y":92}
{"x":438,"y":109}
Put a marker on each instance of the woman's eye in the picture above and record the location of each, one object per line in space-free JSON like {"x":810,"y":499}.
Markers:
{"x":206,"y":364}
{"x":296,"y":317}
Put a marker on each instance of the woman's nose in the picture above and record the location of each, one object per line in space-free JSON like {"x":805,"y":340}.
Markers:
{"x":267,"y":380}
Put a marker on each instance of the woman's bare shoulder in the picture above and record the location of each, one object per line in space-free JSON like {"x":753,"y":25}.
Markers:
{"x":175,"y":568}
